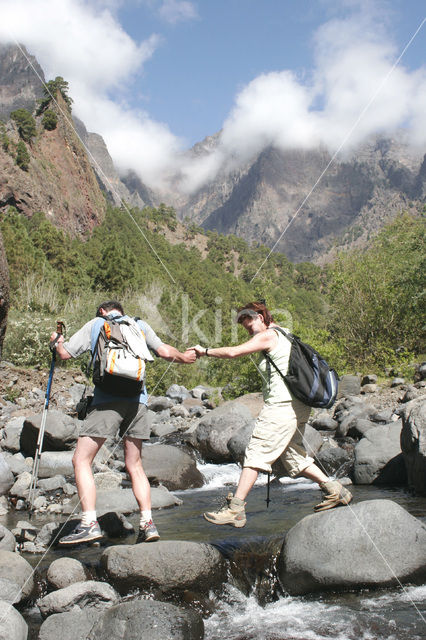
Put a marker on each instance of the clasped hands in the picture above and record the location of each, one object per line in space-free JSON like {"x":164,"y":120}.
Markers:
{"x":199,"y":350}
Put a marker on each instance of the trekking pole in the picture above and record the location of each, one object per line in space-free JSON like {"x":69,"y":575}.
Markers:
{"x":267,"y":490}
{"x":60,"y":328}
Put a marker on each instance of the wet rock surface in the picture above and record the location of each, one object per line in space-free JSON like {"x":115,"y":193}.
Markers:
{"x":184,"y":433}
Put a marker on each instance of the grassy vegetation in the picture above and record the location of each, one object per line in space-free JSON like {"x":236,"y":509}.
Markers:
{"x":363,"y":313}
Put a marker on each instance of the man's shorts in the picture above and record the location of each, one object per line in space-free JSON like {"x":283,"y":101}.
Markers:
{"x":126,"y":418}
{"x":278,"y":433}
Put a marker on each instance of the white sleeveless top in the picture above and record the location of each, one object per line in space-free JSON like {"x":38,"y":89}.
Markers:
{"x":273,"y":386}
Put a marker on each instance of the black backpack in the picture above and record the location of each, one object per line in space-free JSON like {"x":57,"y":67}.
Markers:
{"x":309,"y":377}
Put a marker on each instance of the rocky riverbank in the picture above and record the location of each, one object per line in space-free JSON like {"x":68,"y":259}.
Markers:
{"x":372,"y":544}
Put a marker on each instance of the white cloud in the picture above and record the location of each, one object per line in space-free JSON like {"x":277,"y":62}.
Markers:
{"x":83,"y":42}
{"x":174,"y":11}
{"x":352,"y":92}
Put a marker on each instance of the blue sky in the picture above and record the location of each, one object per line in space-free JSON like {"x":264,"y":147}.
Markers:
{"x":201,"y":64}
{"x":153,"y":77}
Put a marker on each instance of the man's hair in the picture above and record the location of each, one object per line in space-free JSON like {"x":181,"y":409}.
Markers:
{"x":251,"y":309}
{"x":109,"y":305}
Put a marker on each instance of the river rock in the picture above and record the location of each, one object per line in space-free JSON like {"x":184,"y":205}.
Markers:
{"x":51,"y":484}
{"x":21,"y":485}
{"x":162,"y":429}
{"x":359,"y":428}
{"x":349,"y":386}
{"x":147,"y":620}
{"x":65,"y":571}
{"x":123,"y":501}
{"x":215,"y":429}
{"x":177,"y":392}
{"x":370,"y":378}
{"x":168,"y":565}
{"x":72,"y":625}
{"x":160,"y":403}
{"x":18,"y":573}
{"x":171,"y":467}
{"x":324,"y":422}
{"x":413,"y":443}
{"x":312,"y":440}
{"x":356,"y":411}
{"x":108,"y":480}
{"x":334,"y":461}
{"x":378,"y":457}
{"x":237,"y":444}
{"x":179,"y":411}
{"x":6,"y":476}
{"x":372,"y":544}
{"x":12,"y":624}
{"x":86,"y":594}
{"x":61,"y":432}
{"x":17,"y":463}
{"x":53,"y":463}
{"x":7,"y":539}
{"x":12,"y":434}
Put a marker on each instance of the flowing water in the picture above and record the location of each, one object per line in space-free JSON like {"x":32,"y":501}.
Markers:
{"x":252,"y":606}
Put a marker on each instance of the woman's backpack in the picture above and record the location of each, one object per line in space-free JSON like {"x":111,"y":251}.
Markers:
{"x":308,"y":377}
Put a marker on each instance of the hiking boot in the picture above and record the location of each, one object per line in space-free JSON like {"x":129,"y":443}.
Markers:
{"x":147,"y":533}
{"x":334,"y":494}
{"x":83,"y":534}
{"x":232,"y":513}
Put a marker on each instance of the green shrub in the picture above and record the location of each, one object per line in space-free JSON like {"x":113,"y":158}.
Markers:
{"x":22,"y":156}
{"x":25,"y":123}
{"x":50,"y":120}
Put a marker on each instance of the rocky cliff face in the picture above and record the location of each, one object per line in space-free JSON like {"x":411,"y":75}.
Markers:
{"x":59,"y":181}
{"x":19,"y":85}
{"x":355,"y":197}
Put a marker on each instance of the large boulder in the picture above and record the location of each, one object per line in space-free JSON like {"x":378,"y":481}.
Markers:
{"x":54,"y":463}
{"x":372,"y":544}
{"x":7,"y":539}
{"x":413,"y":443}
{"x":378,"y":457}
{"x":124,"y":501}
{"x":349,"y":386}
{"x":12,"y":624}
{"x":214,"y":430}
{"x":148,"y":620}
{"x":71,"y":625}
{"x":334,"y":461}
{"x":65,"y":571}
{"x":12,"y":434}
{"x":169,"y":565}
{"x":16,"y":577}
{"x":6,"y":476}
{"x":61,"y":432}
{"x":88,"y":594}
{"x":171,"y":467}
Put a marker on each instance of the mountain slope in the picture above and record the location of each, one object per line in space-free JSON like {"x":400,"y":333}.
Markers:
{"x":336,"y":203}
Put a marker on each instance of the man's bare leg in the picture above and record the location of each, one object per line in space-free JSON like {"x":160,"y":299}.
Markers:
{"x":140,"y":485}
{"x":87,"y":448}
{"x":141,"y":489}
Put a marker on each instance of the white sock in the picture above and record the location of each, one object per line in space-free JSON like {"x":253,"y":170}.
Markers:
{"x":146,"y":516}
{"x":87,"y":517}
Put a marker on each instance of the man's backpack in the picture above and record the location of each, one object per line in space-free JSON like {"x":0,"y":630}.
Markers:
{"x":119,"y":357}
{"x":309,"y":377}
